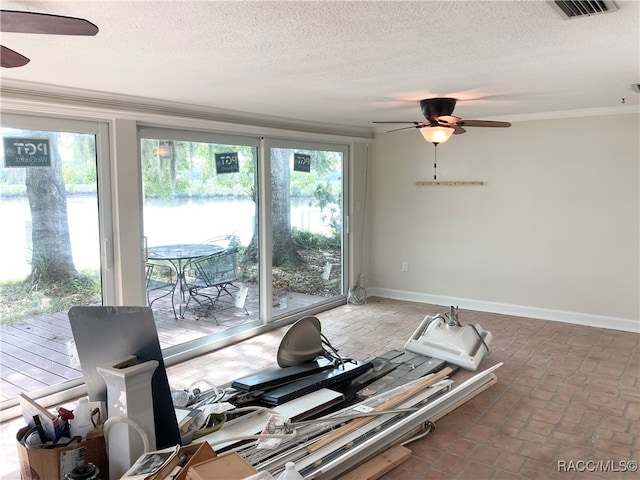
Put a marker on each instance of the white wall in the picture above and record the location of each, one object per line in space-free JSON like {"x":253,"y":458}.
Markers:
{"x":554,"y":232}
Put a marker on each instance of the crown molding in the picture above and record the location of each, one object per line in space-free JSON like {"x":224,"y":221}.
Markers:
{"x":23,"y":94}
{"x":562,"y":114}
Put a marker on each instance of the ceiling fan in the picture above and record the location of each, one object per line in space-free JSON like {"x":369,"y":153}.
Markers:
{"x":441,"y":123}
{"x":30,"y":22}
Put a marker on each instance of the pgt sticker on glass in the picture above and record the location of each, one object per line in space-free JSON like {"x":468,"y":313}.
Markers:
{"x":26,"y":152}
{"x":301,"y":162}
{"x":227,"y":163}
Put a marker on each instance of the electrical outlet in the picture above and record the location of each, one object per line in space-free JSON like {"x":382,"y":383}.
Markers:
{"x":405,"y":266}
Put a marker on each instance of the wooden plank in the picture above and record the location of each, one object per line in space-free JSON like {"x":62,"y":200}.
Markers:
{"x":28,"y":335}
{"x":45,"y":329}
{"x":58,"y":319}
{"x":326,"y":462}
{"x":391,"y":403}
{"x":8,"y":390}
{"x":30,"y":370}
{"x":36,"y":344}
{"x":20,"y":381}
{"x":380,"y":464}
{"x":16,"y":358}
{"x":450,"y":184}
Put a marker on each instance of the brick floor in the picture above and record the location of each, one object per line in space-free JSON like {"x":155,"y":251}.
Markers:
{"x":566,"y":394}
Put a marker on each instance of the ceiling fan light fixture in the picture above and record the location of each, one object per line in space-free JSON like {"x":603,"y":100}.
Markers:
{"x":437,"y":135}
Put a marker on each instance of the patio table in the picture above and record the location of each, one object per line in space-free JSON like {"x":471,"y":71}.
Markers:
{"x":180,"y":255}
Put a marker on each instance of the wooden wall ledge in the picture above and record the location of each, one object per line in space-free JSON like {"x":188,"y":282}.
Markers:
{"x":436,"y":183}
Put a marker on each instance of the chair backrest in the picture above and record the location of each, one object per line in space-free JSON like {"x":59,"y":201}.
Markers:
{"x":158,"y":275}
{"x":217,"y":269}
{"x":148,"y":273}
{"x":225,"y":241}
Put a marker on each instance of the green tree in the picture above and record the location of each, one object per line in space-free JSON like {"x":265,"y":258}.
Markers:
{"x":284,"y":249}
{"x":51,"y":258}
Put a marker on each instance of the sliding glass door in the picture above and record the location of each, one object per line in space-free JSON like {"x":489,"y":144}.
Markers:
{"x":307,"y":225}
{"x":239,"y":231}
{"x":205,"y":237}
{"x":55,"y":249}
{"x":200,"y":226}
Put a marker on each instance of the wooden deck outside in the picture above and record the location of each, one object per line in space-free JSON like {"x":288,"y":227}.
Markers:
{"x":34,"y":353}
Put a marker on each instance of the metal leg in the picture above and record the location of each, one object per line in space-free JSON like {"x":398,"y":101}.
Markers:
{"x":151,"y":286}
{"x":182,"y":307}
{"x":178,"y":286}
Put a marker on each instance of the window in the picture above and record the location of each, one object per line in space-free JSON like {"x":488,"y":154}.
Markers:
{"x":54,"y":208}
{"x":203,"y":189}
{"x":307,"y":226}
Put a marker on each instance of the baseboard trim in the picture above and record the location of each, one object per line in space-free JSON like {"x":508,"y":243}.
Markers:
{"x":586,"y":319}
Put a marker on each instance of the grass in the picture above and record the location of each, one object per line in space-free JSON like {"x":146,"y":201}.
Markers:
{"x":20,"y":300}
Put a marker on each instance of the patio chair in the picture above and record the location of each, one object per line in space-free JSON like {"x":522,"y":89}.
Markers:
{"x":159,"y":277}
{"x":212,"y":276}
{"x":231,"y":244}
{"x":225,"y":241}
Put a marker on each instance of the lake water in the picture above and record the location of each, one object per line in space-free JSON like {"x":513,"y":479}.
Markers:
{"x":180,"y":221}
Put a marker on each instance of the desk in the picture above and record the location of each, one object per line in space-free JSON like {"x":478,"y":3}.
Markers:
{"x":180,"y":255}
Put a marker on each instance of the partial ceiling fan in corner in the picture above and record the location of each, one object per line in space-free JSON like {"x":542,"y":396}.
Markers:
{"x":14,"y":21}
{"x":441,"y":123}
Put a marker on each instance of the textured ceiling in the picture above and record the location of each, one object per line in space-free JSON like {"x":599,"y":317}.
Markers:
{"x":340,"y":62}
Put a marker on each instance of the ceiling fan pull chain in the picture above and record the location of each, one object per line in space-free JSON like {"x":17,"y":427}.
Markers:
{"x":435,"y":161}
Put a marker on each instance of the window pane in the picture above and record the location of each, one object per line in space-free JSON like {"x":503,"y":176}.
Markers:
{"x":200,"y":226}
{"x":306,"y":215}
{"x":50,"y":255}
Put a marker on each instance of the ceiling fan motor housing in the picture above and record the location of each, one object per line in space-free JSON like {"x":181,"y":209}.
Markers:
{"x":432,"y":108}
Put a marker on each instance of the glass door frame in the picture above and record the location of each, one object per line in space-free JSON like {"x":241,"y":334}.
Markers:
{"x":265,"y":222}
{"x":56,"y":394}
{"x":104,"y":184}
{"x":263,"y":171}
{"x":197,"y":136}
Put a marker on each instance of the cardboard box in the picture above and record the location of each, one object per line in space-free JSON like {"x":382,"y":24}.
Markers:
{"x":229,"y":466}
{"x":53,"y":463}
{"x":195,"y":452}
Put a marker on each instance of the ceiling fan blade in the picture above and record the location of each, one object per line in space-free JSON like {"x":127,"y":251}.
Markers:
{"x":11,"y":59}
{"x":449,"y":120}
{"x":483,"y":123}
{"x":403,"y":128}
{"x":31,"y":22}
{"x":396,"y":121}
{"x":415,"y":125}
{"x":457,"y":129}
